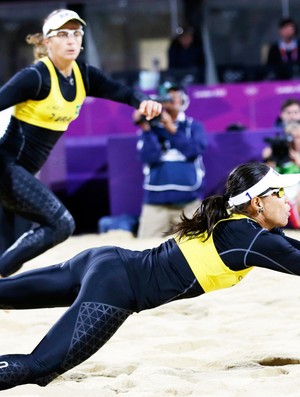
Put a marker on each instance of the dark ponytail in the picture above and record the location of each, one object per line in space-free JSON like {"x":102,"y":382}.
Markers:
{"x":211,"y":210}
{"x":215,"y":208}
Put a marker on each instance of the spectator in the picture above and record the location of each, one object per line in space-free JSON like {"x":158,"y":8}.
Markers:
{"x":289,"y":111}
{"x":285,"y":158}
{"x":283,"y":152}
{"x":171,"y":150}
{"x":284,"y":54}
{"x":185,"y":53}
{"x":292,"y":165}
{"x":293,"y":131}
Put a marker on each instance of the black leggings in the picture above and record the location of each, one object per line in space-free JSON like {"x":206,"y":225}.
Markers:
{"x":25,"y":195}
{"x":96,"y":287}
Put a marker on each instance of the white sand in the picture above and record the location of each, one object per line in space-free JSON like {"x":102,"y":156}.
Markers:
{"x":242,"y":341}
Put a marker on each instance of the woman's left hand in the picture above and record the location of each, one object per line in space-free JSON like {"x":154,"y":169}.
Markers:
{"x":150,"y":109}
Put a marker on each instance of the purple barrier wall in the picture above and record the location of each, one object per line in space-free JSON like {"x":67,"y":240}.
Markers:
{"x":224,"y":152}
{"x":54,"y":171}
{"x":125,"y":177}
{"x":86,"y":159}
{"x":255,"y":105}
{"x":103,"y":175}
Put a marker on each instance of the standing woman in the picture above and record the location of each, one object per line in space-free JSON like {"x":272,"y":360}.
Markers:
{"x":46,"y":97}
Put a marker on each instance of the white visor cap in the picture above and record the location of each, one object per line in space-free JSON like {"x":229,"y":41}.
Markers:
{"x":59,"y":19}
{"x":271,"y":180}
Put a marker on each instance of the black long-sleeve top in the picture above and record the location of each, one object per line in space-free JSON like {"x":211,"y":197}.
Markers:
{"x":30,"y":145}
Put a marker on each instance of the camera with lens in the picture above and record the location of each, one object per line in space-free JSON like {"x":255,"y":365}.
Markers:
{"x":280,"y":145}
{"x":156,"y":120}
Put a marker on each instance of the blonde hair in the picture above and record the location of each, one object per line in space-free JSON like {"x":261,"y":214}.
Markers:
{"x":39,"y":50}
{"x":37,"y":40}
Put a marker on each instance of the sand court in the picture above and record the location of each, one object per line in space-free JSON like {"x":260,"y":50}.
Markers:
{"x":242,"y":341}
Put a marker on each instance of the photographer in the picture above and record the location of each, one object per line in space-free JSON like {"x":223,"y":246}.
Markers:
{"x":278,"y":149}
{"x":284,"y":156}
{"x":289,"y":112}
{"x":171,"y":149}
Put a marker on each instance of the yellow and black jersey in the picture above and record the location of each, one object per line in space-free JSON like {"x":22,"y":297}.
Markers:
{"x":53,"y":112}
{"x":172,"y":271}
{"x":46,"y":102}
{"x":206,"y":263}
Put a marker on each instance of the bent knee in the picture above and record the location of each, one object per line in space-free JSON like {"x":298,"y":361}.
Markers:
{"x":64,"y":227}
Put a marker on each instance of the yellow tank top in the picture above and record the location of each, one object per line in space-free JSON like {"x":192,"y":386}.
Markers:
{"x":54,"y":112}
{"x":206,"y":264}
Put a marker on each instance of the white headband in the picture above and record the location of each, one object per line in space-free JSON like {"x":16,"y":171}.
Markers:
{"x":271,"y":180}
